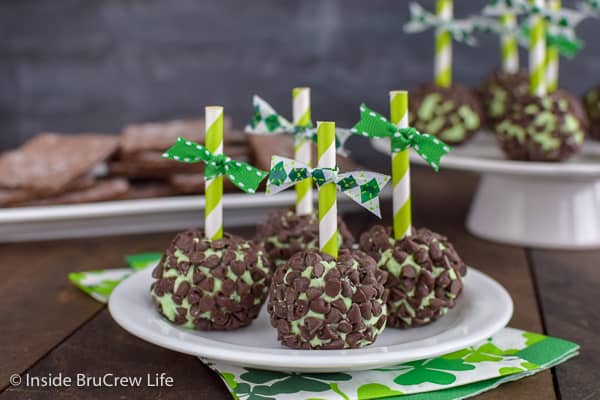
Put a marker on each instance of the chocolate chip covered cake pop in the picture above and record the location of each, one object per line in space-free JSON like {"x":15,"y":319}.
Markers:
{"x":591,"y":101}
{"x":424,"y":274}
{"x":499,"y":90}
{"x":541,"y":128}
{"x":214,"y":281}
{"x":211,"y":284}
{"x":317,"y":302}
{"x":453,"y":114}
{"x":285,"y":233}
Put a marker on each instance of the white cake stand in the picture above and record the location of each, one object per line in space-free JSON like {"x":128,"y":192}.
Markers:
{"x":547,"y":205}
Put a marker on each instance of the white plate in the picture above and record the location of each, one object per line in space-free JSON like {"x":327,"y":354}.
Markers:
{"x":534,"y":204}
{"x":483,"y":309}
{"x":483,"y":154}
{"x":141,"y":216}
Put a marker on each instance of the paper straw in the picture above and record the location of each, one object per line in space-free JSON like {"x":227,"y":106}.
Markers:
{"x":327,"y":193}
{"x":510,"y":48}
{"x":552,"y":56}
{"x":213,"y":226}
{"x":400,"y":168}
{"x":537,"y":53}
{"x":443,"y":46}
{"x":301,"y":115}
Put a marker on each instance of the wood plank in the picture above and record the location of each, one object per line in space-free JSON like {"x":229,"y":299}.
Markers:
{"x":569,"y":286}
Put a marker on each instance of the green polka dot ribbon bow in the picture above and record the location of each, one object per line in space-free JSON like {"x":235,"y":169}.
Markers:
{"x":241,"y":174}
{"x":361,"y":186}
{"x":267,"y":121}
{"x":421,"y":20}
{"x":374,"y":125}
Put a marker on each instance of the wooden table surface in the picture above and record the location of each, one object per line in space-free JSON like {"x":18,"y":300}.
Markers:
{"x":50,"y":327}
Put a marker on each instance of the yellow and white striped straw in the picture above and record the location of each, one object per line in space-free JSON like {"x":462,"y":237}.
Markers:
{"x":443,"y":46}
{"x":537,"y":53}
{"x":213,"y":211}
{"x":328,"y":236}
{"x":552,"y":56}
{"x":510,"y":48}
{"x":301,"y":116}
{"x":400,"y":168}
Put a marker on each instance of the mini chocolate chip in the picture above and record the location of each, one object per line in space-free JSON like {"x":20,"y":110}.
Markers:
{"x":182,"y":289}
{"x":219,"y":272}
{"x":320,"y":306}
{"x":283,"y":327}
{"x":408,"y":284}
{"x":399,"y":255}
{"x":290,"y":295}
{"x":207,"y":284}
{"x":359,"y":296}
{"x":198,"y":276}
{"x":193,"y":296}
{"x":421,"y":291}
{"x":311,"y":259}
{"x":408,"y":271}
{"x":291,"y":276}
{"x":312,"y":324}
{"x":332,"y":287}
{"x":359,"y":327}
{"x":212,"y":261}
{"x":334,"y":315}
{"x":380,"y":322}
{"x":365,"y":310}
{"x":206,"y":303}
{"x":344,"y":327}
{"x":354,"y":314}
{"x":157,"y":272}
{"x":318,"y":270}
{"x":301,"y":284}
{"x":456,"y":286}
{"x":346,"y":288}
{"x":339,"y":305}
{"x":218,"y":244}
{"x":313,"y":293}
{"x":376,"y":308}
{"x":166,"y":285}
{"x":353,"y":338}
{"x":177,"y":299}
{"x":228,"y":287}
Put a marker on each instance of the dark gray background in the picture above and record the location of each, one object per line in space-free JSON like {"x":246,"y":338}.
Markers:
{"x":95,"y":65}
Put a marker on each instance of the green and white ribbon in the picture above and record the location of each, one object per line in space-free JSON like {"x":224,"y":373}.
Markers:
{"x":241,"y":174}
{"x":361,"y":186}
{"x":267,"y":121}
{"x":509,"y":355}
{"x":421,"y":20}
{"x":375,"y":125}
{"x":560,"y":17}
{"x":562,"y":38}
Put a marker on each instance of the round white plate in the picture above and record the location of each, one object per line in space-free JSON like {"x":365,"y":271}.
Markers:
{"x":483,"y":154}
{"x":483,"y":309}
{"x":533,"y":204}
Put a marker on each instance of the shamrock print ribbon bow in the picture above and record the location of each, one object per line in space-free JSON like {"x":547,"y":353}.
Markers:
{"x":421,"y":19}
{"x":241,"y":174}
{"x":374,"y":125}
{"x":590,"y":8}
{"x":361,"y":186}
{"x":266,"y":121}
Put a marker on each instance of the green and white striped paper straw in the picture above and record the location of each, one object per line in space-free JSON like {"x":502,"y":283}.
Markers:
{"x":552,"y":56}
{"x":301,"y":116}
{"x":400,"y":168}
{"x":213,"y":211}
{"x":327,"y":192}
{"x":510,"y":47}
{"x":537,"y":53}
{"x":443,"y":46}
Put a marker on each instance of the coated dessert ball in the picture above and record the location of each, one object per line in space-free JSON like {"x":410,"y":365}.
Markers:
{"x":211,"y":285}
{"x":316,"y":302}
{"x":452,"y":114}
{"x":424,"y":274}
{"x":285,"y":233}
{"x":499,"y":90}
{"x":546,"y":128}
{"x":591,"y":101}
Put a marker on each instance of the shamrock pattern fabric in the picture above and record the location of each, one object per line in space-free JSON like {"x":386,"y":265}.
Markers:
{"x":509,"y":355}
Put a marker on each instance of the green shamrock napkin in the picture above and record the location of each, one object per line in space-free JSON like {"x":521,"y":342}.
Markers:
{"x":509,"y":355}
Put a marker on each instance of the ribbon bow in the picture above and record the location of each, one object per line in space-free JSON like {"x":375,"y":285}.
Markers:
{"x":241,"y":174}
{"x":421,"y":19}
{"x":563,"y":18}
{"x":374,"y":125}
{"x":361,"y":186}
{"x":563,"y":39}
{"x":266,"y":121}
